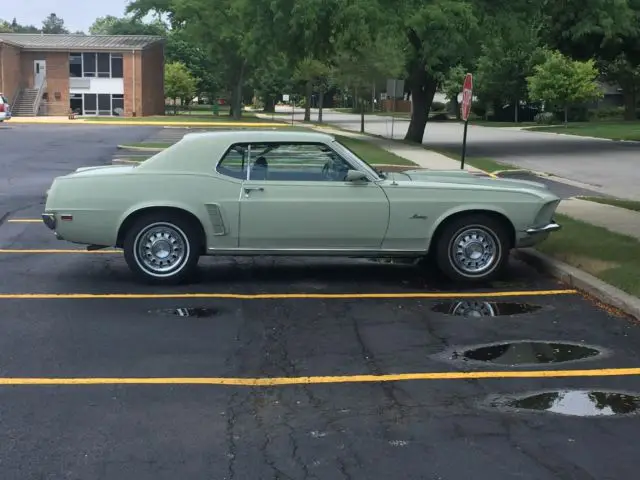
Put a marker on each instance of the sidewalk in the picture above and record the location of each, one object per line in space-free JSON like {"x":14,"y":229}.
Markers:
{"x":615,"y":219}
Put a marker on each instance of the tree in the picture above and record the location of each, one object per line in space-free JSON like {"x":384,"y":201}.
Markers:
{"x":53,"y":24}
{"x":507,"y":58}
{"x":225,"y":28}
{"x":452,"y":86}
{"x":562,"y":82}
{"x":178,"y":83}
{"x":605,"y":30}
{"x":366,"y":49}
{"x":110,"y":25}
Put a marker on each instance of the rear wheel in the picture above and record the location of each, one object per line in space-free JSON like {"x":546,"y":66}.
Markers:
{"x":473,"y":248}
{"x":162,"y":248}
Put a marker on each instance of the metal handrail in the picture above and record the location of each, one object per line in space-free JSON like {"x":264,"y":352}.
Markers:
{"x":36,"y":104}
{"x":17,"y":93}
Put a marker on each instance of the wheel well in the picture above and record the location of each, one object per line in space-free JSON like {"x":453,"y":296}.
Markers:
{"x":467,"y":213}
{"x":128,"y":222}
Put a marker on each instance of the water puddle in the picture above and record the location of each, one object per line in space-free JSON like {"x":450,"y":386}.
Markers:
{"x":580,"y":403}
{"x":477,"y":308}
{"x":522,"y":353}
{"x":195,"y":312}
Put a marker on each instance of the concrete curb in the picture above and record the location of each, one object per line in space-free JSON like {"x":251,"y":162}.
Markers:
{"x":580,"y":280}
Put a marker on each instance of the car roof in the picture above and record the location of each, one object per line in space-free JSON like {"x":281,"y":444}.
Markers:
{"x":258,"y":135}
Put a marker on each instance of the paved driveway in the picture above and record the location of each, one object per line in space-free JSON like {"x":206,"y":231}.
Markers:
{"x":613,"y":166}
{"x":292,"y":368}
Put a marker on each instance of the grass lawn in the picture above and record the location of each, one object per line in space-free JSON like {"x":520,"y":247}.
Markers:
{"x":486,"y":123}
{"x":611,"y":130}
{"x":610,"y":256}
{"x":483,"y":163}
{"x":616,"y":202}
{"x":373,"y":154}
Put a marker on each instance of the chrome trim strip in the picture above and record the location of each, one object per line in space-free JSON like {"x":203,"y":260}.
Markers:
{"x":315,"y":251}
{"x":551,"y":227}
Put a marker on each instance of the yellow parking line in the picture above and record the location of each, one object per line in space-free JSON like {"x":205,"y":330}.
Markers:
{"x":24,"y":220}
{"x":280,"y":381}
{"x":34,"y":251}
{"x":273,"y":296}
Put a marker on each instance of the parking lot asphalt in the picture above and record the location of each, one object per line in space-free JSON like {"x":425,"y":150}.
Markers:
{"x":294,"y":368}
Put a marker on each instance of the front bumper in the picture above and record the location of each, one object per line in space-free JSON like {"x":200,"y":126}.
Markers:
{"x":550,"y":227}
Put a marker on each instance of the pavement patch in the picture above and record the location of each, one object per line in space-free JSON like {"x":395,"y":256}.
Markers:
{"x":196,"y":312}
{"x":278,"y":296}
{"x":580,"y":403}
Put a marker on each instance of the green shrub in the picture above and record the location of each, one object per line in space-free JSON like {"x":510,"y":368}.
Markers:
{"x":610,"y":113}
{"x":545,"y":118}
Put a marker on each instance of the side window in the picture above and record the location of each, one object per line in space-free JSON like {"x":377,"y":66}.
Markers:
{"x":311,"y":162}
{"x":234,"y":163}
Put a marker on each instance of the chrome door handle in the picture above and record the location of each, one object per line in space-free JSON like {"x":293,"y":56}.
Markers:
{"x":249,"y":189}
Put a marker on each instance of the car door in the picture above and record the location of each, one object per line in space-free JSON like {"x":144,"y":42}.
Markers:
{"x":296,"y":197}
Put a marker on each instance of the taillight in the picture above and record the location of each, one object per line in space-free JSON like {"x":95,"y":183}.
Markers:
{"x":1,"y":107}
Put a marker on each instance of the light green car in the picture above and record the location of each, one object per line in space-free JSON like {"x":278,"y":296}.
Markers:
{"x":271,"y":192}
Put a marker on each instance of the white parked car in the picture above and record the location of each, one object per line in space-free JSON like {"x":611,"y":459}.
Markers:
{"x":5,"y":108}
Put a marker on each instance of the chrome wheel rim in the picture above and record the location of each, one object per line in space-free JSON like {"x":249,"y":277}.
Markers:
{"x":473,"y":308}
{"x":161,"y":249}
{"x":474,"y":251}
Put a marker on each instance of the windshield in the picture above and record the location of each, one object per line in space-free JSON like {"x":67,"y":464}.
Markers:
{"x":350,"y":155}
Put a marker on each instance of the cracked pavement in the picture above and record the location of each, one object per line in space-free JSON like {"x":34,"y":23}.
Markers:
{"x":426,"y":429}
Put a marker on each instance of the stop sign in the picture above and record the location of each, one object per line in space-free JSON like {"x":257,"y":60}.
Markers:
{"x":467,"y":95}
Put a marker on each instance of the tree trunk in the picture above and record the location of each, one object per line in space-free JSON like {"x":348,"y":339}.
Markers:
{"x":361,"y":115}
{"x":320,"y":102}
{"x":236,"y":97}
{"x":566,"y":115}
{"x":270,"y":104}
{"x":629,"y":103}
{"x":456,"y":107}
{"x":516,"y":111}
{"x":307,"y":106}
{"x":423,"y":89}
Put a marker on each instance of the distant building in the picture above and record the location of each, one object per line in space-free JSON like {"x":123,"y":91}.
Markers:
{"x":110,"y":75}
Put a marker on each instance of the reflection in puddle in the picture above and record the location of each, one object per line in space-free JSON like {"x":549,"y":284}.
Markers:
{"x":477,"y":308}
{"x":580,"y":403}
{"x":196,"y":312}
{"x":515,"y":353}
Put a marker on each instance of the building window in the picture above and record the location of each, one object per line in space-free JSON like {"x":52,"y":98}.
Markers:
{"x":88,"y":64}
{"x":90,"y":104}
{"x":105,"y":104}
{"x":96,"y":65}
{"x":117,"y":65}
{"x":104,"y":65}
{"x":117,"y":105}
{"x":75,"y":65}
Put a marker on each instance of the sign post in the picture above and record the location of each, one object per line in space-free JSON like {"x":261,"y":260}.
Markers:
{"x":465,"y":107}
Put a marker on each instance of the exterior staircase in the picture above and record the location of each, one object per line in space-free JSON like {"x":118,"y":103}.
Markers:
{"x":25,"y":104}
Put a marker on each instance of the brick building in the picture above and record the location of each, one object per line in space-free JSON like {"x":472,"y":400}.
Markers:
{"x":108,"y":75}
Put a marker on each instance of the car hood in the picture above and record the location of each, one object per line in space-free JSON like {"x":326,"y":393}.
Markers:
{"x":464,"y":177}
{"x":102,"y":170}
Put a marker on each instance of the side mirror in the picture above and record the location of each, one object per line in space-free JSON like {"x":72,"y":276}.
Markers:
{"x":355,"y":176}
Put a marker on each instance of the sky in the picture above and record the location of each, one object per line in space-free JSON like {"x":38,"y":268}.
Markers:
{"x":77,"y":14}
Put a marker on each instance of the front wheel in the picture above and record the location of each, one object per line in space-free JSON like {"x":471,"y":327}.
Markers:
{"x":473,"y":248}
{"x":162,"y":248}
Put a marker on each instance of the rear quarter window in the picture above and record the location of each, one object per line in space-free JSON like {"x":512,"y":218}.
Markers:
{"x":4,"y":99}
